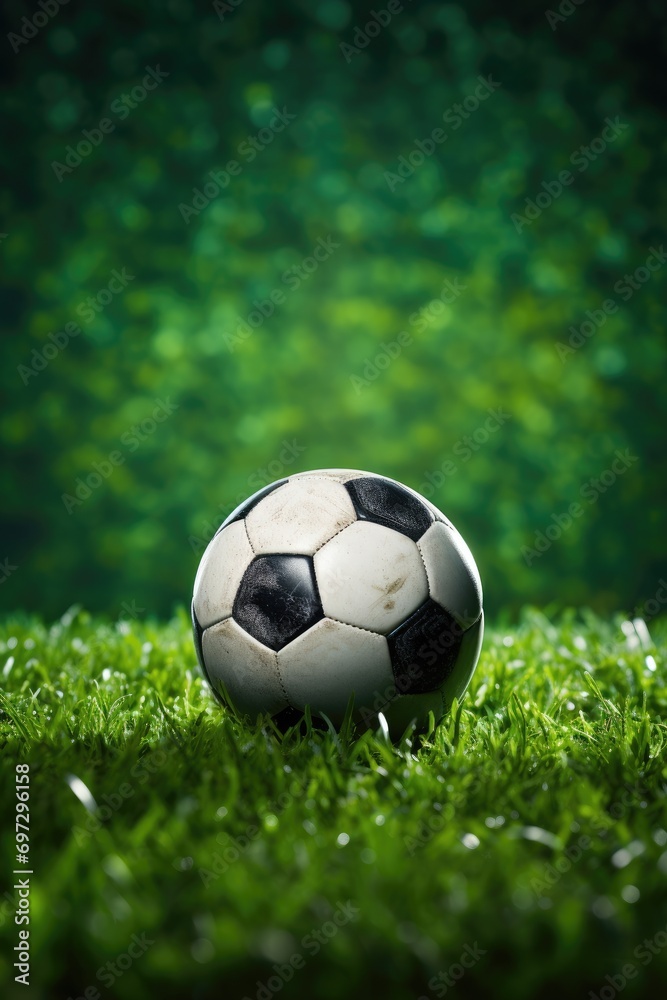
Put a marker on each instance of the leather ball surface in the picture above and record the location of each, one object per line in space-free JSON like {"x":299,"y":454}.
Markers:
{"x":335,"y":583}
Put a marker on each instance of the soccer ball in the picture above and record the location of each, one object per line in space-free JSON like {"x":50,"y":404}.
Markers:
{"x":335,"y":583}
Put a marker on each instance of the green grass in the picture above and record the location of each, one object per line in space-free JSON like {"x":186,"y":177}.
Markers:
{"x":555,"y":760}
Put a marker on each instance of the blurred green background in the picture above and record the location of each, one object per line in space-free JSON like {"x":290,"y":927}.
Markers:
{"x":314,"y":384}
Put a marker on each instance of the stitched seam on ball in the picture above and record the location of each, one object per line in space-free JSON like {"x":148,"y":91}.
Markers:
{"x":307,"y":476}
{"x":428,"y":578}
{"x":359,"y":628}
{"x":218,"y":621}
{"x":316,"y":585}
{"x":481,"y":592}
{"x":333,"y":536}
{"x":455,"y":615}
{"x":282,"y":686}
{"x":328,"y":479}
{"x":247,"y":534}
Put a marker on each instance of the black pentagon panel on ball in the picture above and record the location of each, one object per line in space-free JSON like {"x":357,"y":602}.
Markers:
{"x":244,"y":509}
{"x":277,"y":599}
{"x":424,"y":649}
{"x":379,"y":500}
